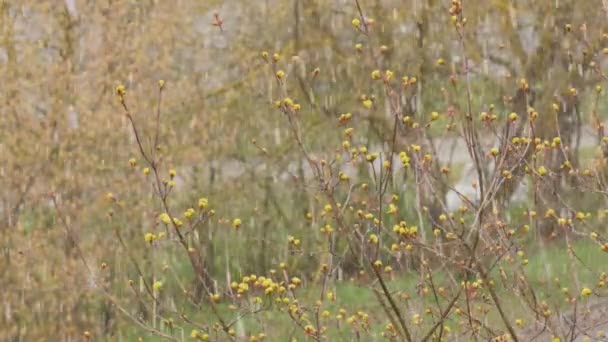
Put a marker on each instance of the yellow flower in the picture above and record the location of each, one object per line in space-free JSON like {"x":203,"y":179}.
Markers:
{"x":512,"y":116}
{"x":345,"y":118}
{"x":533,"y":115}
{"x":280,"y":74}
{"x":189,"y":213}
{"x":132,"y":162}
{"x":343,"y":177}
{"x":157,"y":286}
{"x":586,"y":292}
{"x":149,"y":237}
{"x":494,"y":151}
{"x":164,"y":217}
{"x":327,"y":229}
{"x":236,"y":223}
{"x":376,"y":75}
{"x":356,"y":22}
{"x":348,"y":132}
{"x":368,"y":103}
{"x":147,"y":171}
{"x":434,"y":116}
{"x":203,"y":203}
{"x":121,"y":90}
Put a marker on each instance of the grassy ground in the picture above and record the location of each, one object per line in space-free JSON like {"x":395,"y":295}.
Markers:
{"x":542,"y":271}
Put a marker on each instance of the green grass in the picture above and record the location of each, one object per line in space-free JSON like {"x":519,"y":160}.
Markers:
{"x":542,"y":271}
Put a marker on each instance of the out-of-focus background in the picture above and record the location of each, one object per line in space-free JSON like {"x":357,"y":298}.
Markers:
{"x":63,"y":132}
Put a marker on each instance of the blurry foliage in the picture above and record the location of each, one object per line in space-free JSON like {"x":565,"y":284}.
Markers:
{"x":64,"y":136}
